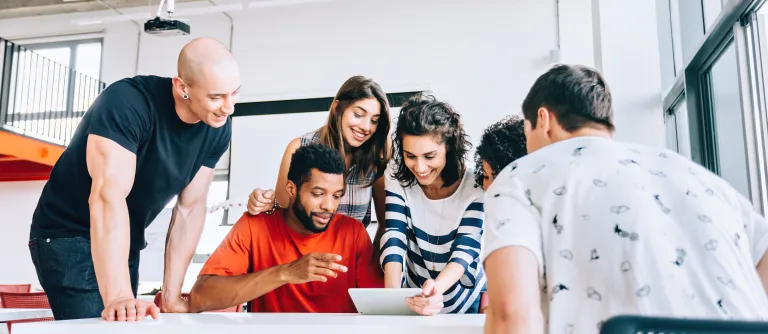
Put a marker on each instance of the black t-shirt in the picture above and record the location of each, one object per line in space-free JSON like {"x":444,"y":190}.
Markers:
{"x":139,"y":114}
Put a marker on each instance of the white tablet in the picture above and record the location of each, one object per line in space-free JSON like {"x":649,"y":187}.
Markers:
{"x":383,"y":301}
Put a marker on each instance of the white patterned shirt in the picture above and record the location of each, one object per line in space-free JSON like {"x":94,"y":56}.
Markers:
{"x":626,"y":229}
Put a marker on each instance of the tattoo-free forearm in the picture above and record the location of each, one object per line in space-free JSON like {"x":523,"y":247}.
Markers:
{"x":110,"y":244}
{"x":393,"y":275}
{"x":448,"y":276}
{"x":218,"y":292}
{"x":180,"y":244}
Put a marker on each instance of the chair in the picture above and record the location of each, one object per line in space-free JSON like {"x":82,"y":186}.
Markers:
{"x":23,"y":288}
{"x":159,"y":303}
{"x":630,"y":324}
{"x":15,"y":288}
{"x":24,"y":300}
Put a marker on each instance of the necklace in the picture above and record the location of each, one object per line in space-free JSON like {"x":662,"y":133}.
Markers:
{"x":429,"y":242}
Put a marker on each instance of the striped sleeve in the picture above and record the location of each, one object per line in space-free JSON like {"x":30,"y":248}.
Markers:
{"x":394,"y":242}
{"x":466,"y":248}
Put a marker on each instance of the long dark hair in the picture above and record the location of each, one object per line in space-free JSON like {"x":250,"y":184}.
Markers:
{"x":423,"y":115}
{"x":373,"y":155}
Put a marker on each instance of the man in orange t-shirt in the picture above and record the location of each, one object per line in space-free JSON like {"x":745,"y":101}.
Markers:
{"x":299,"y":259}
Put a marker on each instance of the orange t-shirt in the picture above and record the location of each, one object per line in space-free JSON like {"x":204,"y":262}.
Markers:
{"x":264,"y":241}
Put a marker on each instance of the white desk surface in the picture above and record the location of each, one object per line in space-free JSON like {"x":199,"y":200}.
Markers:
{"x":282,"y":323}
{"x":11,"y":314}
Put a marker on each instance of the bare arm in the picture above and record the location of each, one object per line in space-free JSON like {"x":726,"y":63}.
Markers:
{"x":448,"y":277}
{"x":762,"y":271}
{"x":379,"y":202}
{"x":393,"y":273}
{"x":183,"y":236}
{"x":513,"y":289}
{"x":112,"y":169}
{"x":217,"y":292}
{"x":282,"y":176}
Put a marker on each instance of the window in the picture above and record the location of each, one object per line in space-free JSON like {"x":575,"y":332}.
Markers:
{"x":726,"y":120}
{"x":676,"y":124}
{"x":711,"y":9}
{"x":50,"y":86}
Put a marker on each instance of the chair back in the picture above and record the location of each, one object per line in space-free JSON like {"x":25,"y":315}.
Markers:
{"x":25,"y":300}
{"x":630,"y":324}
{"x":159,"y":303}
{"x":15,"y":287}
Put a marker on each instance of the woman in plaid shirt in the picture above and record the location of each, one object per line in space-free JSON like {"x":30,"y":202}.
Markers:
{"x":358,"y":127}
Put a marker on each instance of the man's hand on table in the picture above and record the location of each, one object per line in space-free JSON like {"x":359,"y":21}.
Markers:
{"x":174,"y":305}
{"x":429,"y":303}
{"x":129,"y":309}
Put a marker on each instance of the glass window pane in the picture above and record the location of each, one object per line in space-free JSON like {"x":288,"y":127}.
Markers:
{"x":677,"y":35}
{"x":59,"y":55}
{"x":711,"y":8}
{"x":88,"y":59}
{"x":728,"y":121}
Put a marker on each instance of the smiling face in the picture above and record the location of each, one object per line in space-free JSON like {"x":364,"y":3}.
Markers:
{"x":317,"y":200}
{"x":360,"y":121}
{"x":425,"y":157}
{"x":212,"y":99}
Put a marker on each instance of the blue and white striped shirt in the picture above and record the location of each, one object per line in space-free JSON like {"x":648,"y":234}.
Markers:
{"x":427,"y":234}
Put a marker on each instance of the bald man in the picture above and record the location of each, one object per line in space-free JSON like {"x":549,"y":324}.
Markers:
{"x":143,"y":141}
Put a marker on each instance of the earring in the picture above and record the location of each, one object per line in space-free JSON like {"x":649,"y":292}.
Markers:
{"x":185,"y":96}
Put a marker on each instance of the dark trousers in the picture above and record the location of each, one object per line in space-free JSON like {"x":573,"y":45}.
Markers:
{"x":65,"y":269}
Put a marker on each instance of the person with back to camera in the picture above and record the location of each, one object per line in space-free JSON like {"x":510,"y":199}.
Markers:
{"x":588,"y":223}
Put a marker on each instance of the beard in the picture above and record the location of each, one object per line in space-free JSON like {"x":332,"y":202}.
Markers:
{"x":306,"y":219}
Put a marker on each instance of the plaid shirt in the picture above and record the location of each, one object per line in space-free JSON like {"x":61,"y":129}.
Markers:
{"x":356,"y":202}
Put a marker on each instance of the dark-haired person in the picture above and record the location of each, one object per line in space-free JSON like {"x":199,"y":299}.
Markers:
{"x":434,"y":213}
{"x":358,"y":128}
{"x":501,"y":143}
{"x":299,"y":259}
{"x":606,"y":228}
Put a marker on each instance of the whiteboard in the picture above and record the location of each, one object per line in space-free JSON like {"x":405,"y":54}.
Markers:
{"x":258,"y":144}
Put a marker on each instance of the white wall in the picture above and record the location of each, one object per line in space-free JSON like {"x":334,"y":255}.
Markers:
{"x":482,"y":57}
{"x":17,"y":204}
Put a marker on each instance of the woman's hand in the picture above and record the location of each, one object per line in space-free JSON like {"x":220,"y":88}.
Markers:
{"x":260,"y":201}
{"x":430,"y":302}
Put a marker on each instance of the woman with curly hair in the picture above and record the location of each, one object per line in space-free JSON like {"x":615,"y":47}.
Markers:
{"x":434,"y":213}
{"x":501,"y":143}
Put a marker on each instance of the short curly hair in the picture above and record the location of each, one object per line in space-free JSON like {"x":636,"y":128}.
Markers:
{"x":501,"y":143}
{"x":423,"y":115}
{"x":319,"y":156}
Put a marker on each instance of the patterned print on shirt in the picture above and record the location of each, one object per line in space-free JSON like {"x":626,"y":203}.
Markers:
{"x":664,"y":209}
{"x":593,"y":255}
{"x":625,"y":266}
{"x":704,"y":218}
{"x":566,"y":254}
{"x":560,"y":191}
{"x":643,"y":291}
{"x":680,"y":257}
{"x":619,"y":209}
{"x":599,"y":183}
{"x":624,"y":234}
{"x":592,"y":294}
{"x":557,"y":289}
{"x":558,"y":227}
{"x":577,"y":151}
{"x":657,"y":173}
{"x":711,"y":245}
{"x":727,"y":282}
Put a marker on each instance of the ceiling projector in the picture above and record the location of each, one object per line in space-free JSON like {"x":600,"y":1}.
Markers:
{"x":166,"y":26}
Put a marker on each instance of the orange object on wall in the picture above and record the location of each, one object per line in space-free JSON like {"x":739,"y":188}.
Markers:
{"x":25,"y":159}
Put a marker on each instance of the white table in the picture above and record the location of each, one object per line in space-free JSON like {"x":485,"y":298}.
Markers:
{"x":281,"y":323}
{"x":11,"y":314}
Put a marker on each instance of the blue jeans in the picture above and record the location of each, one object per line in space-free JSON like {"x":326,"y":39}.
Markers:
{"x":65,"y":269}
